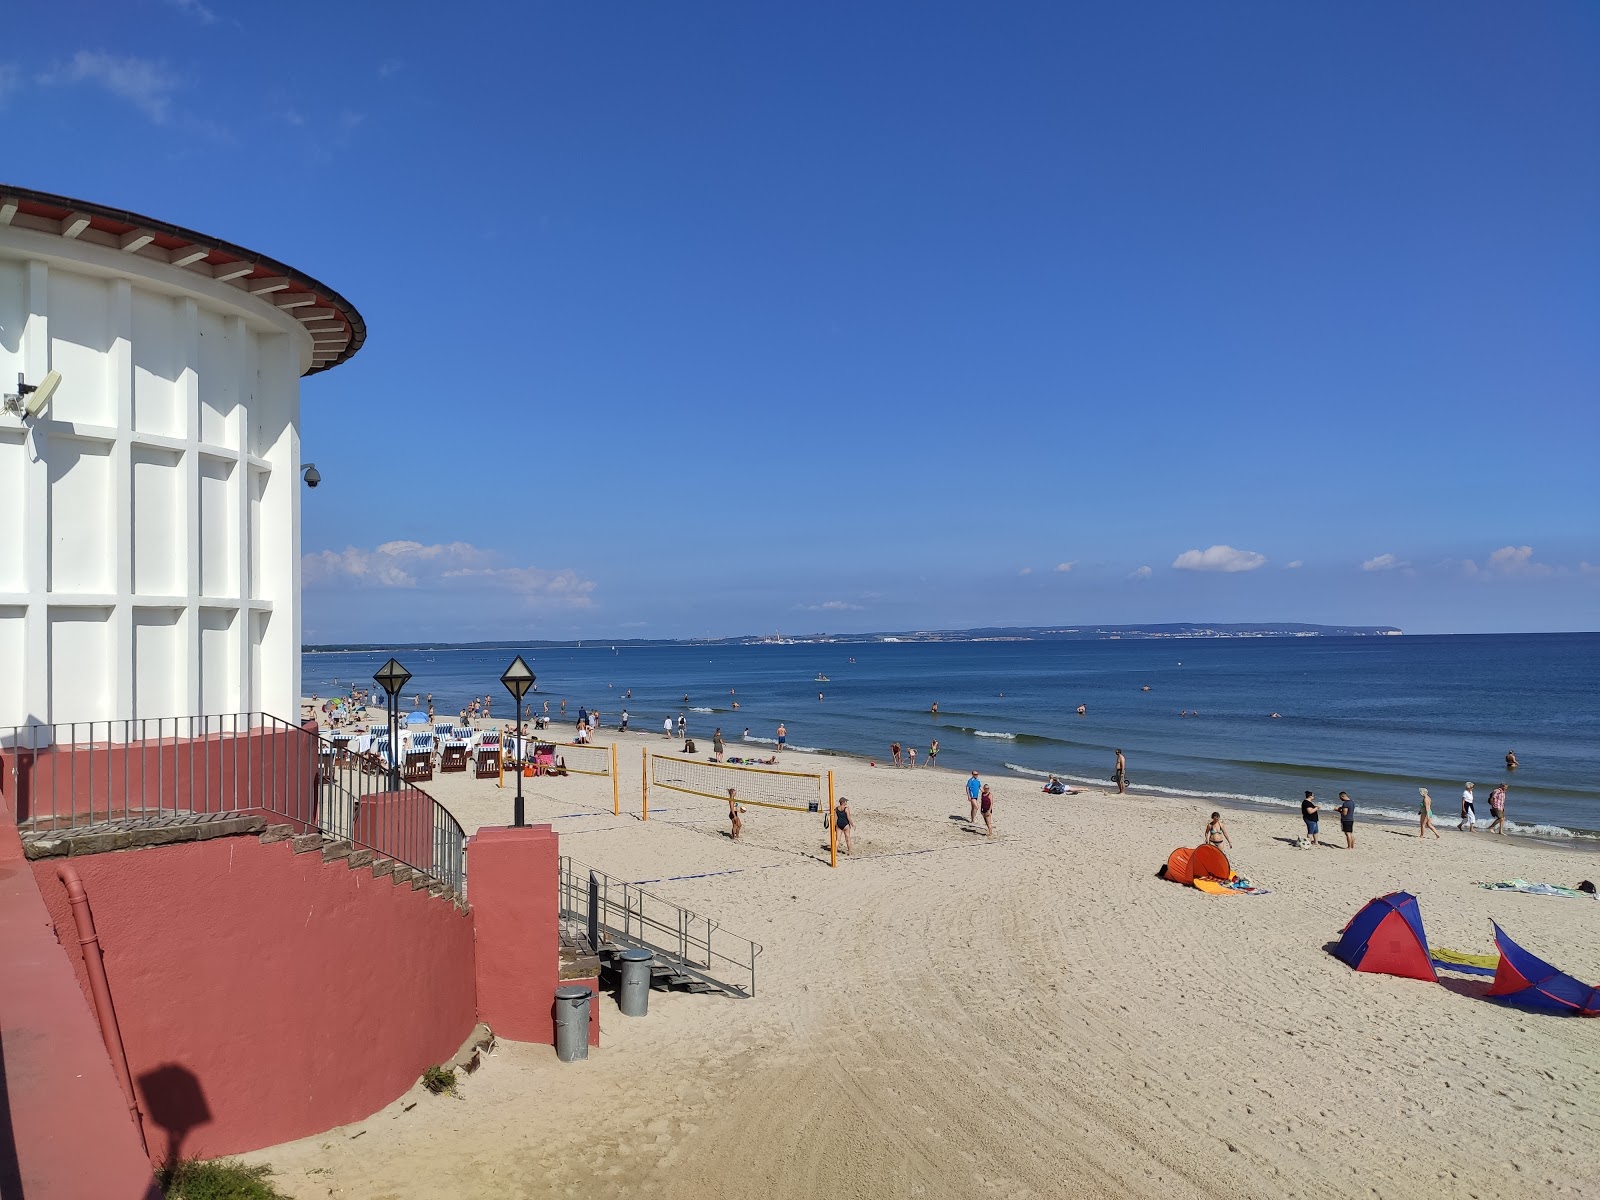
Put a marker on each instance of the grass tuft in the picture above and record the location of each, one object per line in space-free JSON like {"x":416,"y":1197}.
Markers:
{"x":439,"y":1080}
{"x":220,"y":1179}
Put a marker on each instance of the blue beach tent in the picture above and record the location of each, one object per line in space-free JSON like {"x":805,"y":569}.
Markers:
{"x":1386,"y":937}
{"x":1528,"y":981}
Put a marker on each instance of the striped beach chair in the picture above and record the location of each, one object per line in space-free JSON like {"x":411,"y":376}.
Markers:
{"x":488,"y":757}
{"x":419,"y":759}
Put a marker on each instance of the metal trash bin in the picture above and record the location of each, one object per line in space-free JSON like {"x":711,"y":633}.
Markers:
{"x":572,"y":1022}
{"x":633,"y":989}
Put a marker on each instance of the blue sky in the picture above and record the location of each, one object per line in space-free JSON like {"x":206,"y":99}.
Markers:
{"x":727,"y":318}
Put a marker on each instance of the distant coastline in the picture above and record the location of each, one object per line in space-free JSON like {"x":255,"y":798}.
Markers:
{"x":1026,"y":633}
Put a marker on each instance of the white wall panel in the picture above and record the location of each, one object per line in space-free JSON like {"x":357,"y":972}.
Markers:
{"x":219,"y":662}
{"x":80,"y":652}
{"x":80,"y":335}
{"x":219,"y":528}
{"x":13,"y":667}
{"x":81,"y":525}
{"x":160,"y":662}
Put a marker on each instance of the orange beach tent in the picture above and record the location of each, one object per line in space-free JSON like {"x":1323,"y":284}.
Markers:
{"x":1203,"y":862}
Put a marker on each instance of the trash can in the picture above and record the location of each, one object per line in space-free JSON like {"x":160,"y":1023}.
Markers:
{"x":572,"y":1022}
{"x":633,"y":992}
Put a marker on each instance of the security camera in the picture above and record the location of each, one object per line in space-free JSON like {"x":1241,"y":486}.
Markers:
{"x":30,"y":399}
{"x":311,"y":475}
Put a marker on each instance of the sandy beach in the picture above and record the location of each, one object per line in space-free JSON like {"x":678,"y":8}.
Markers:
{"x":948,"y":1015}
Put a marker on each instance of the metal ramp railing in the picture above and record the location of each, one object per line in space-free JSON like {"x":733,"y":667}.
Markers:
{"x":618,"y":915}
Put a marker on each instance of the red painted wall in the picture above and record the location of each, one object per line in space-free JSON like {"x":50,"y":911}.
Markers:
{"x":264,"y":995}
{"x":220,"y":773}
{"x":514,"y":884}
{"x":54,"y":1073}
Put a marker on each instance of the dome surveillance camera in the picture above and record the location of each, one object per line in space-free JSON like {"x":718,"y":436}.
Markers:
{"x":311,"y":474}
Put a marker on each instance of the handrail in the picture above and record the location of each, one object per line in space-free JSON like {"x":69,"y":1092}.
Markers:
{"x":625,"y":914}
{"x":72,"y":774}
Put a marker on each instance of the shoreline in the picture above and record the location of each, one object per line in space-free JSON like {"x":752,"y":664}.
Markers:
{"x":1577,"y":841}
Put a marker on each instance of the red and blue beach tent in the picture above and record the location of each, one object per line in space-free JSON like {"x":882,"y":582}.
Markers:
{"x":1528,"y":981}
{"x":1386,"y":937}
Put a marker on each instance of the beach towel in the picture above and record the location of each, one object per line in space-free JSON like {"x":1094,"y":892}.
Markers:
{"x":1533,"y":889}
{"x":1469,"y":964}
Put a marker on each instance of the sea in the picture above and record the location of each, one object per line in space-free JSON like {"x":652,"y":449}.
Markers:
{"x":1378,"y":717}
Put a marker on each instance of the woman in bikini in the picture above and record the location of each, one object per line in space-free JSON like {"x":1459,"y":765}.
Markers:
{"x":1425,"y":814}
{"x":1217,"y":832}
{"x":735,"y":813}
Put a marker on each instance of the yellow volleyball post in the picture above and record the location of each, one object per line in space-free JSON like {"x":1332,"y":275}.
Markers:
{"x":833,"y":827}
{"x":644,"y":783}
{"x":616,"y":794}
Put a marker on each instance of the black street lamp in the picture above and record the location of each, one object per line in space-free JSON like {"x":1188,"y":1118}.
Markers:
{"x":391,"y":677}
{"x":518,"y":679}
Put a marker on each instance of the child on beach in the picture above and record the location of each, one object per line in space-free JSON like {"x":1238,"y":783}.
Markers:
{"x":735,"y":813}
{"x":1425,"y":813}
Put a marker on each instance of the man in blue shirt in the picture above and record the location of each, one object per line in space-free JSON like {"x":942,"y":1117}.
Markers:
{"x":974,"y":790}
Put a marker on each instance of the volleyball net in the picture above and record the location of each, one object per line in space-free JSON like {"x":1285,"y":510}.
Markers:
{"x":586,"y":759}
{"x":760,"y":787}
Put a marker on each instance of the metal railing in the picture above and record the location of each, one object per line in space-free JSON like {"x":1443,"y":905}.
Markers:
{"x":624,"y":914}
{"x":69,"y":775}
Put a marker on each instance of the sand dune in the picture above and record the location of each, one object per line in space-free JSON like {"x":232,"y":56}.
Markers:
{"x":1036,"y":1015}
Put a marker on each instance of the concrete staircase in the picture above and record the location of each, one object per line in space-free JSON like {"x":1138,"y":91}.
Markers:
{"x":135,"y":833}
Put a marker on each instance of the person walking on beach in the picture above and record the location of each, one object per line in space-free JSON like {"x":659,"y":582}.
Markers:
{"x":735,"y":813}
{"x":1497,"y":810}
{"x":783,"y":736}
{"x":622,"y":723}
{"x":716,"y":744}
{"x":1308,"y":814}
{"x":1469,"y":810}
{"x":933,"y":752}
{"x":974,"y":793}
{"x":986,"y":807}
{"x":841,"y":822}
{"x":1425,"y":814}
{"x":666,"y":728}
{"x":1217,"y":832}
{"x":683,"y":727}
{"x":1119,"y":776}
{"x":1347,"y":820}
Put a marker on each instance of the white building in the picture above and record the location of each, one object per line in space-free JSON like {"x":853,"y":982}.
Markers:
{"x":150,"y":513}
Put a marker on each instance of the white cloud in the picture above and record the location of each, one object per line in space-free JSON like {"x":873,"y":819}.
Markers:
{"x":1025,"y":571}
{"x":1218,"y":558}
{"x":1295,"y":565}
{"x":390,"y":66}
{"x":830,"y":606}
{"x":143,"y":82}
{"x":196,"y":10}
{"x":1384,"y":562}
{"x":1141,"y":573}
{"x":1517,"y":560}
{"x":457,"y":566}
{"x":1065,"y":567}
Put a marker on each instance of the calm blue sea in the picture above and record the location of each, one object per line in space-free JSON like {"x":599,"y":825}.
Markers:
{"x":1377,"y":717}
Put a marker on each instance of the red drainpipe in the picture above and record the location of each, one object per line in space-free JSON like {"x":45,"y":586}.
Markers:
{"x":94,"y":960}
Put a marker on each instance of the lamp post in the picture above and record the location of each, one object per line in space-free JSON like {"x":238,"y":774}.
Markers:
{"x":518,"y":679}
{"x":391,"y":677}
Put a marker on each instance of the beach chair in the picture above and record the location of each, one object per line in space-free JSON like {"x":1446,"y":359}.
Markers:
{"x":488,"y":760}
{"x":453,"y":756}
{"x":419,"y":759}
